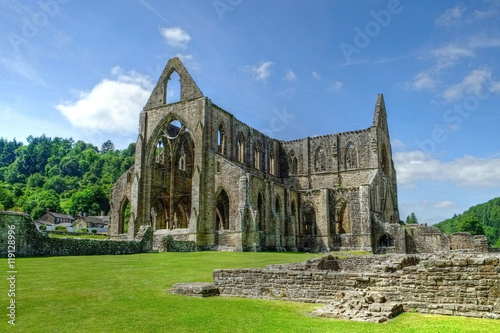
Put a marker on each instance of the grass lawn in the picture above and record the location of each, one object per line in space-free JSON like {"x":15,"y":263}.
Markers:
{"x":79,"y":236}
{"x":128,"y":294}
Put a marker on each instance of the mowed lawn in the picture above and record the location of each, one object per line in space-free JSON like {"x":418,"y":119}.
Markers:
{"x":129,"y":294}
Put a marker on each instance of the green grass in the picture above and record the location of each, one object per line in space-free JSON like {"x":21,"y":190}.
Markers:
{"x":128,"y":294}
{"x":79,"y":236}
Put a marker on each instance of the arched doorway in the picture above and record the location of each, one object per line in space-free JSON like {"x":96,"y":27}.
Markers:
{"x":309,"y":227}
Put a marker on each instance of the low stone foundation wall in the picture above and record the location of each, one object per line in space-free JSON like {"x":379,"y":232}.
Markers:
{"x":449,"y":284}
{"x":29,"y":242}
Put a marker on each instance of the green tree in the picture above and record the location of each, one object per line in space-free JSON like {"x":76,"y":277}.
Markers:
{"x":40,"y":201}
{"x":107,"y":146}
{"x":411,"y":219}
{"x":35,"y":180}
{"x":6,"y":197}
{"x":471,"y":224}
{"x":91,"y":200}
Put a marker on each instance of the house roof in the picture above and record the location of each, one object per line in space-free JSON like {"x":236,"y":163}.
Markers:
{"x":43,"y":222}
{"x":96,"y":219}
{"x":61,"y":216}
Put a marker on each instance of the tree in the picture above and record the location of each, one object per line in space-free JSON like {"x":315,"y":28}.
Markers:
{"x":107,"y":146}
{"x":471,"y":224}
{"x":411,"y":219}
{"x":91,"y":200}
{"x":40,"y":201}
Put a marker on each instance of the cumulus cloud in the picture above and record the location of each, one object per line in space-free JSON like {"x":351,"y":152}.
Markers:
{"x":467,"y":171}
{"x":315,"y":75}
{"x":290,"y":76}
{"x":449,"y":55}
{"x":473,"y":83}
{"x":335,"y":86}
{"x":451,"y":16}
{"x":444,"y":204}
{"x":422,"y":81}
{"x":175,"y":37}
{"x":111,"y":106}
{"x":260,"y":72}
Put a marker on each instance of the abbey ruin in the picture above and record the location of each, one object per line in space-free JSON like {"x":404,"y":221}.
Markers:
{"x":204,"y":180}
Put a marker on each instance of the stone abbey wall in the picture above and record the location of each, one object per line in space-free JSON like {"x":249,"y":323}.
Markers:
{"x":29,"y":242}
{"x":448,"y":284}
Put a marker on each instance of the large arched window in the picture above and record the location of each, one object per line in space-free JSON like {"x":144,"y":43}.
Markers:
{"x":125,"y":213}
{"x":320,"y":160}
{"x":256,"y":156}
{"x":351,"y":157}
{"x":221,"y":139}
{"x":222,"y":211}
{"x":342,"y":219}
{"x":292,"y":163}
{"x":241,"y":148}
{"x":172,"y":88}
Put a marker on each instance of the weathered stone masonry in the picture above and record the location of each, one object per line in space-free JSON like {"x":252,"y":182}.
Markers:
{"x":29,"y":242}
{"x":452,"y":284}
{"x":203,"y":177}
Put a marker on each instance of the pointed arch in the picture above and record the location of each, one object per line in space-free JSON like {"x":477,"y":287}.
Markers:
{"x":125,"y":216}
{"x":320,"y":160}
{"x":173,"y":88}
{"x":351,"y":156}
{"x":342,"y":217}
{"x":221,"y":139}
{"x":188,"y":88}
{"x":222,"y":210}
{"x":292,"y":163}
{"x":240,"y":146}
{"x":386,"y":240}
{"x":257,"y":156}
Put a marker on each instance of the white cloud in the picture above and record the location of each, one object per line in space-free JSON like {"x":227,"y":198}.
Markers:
{"x":189,"y":61}
{"x":260,"y":72}
{"x":451,"y":16}
{"x":467,"y":171}
{"x":335,"y":86}
{"x":444,"y":204}
{"x":175,"y":37}
{"x":290,"y":76}
{"x":111,"y":106}
{"x":449,"y":55}
{"x":397,"y":144}
{"x":471,"y":84}
{"x":422,"y":81}
{"x":315,"y":75}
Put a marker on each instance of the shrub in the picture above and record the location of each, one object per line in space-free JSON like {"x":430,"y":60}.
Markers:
{"x":42,"y":227}
{"x":61,"y":228}
{"x":94,"y":231}
{"x":84,"y":230}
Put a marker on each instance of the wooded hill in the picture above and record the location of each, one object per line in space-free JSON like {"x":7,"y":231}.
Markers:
{"x":59,"y":174}
{"x":483,"y":217}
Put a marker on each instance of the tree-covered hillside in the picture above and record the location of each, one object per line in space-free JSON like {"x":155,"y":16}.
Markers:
{"x":487,"y":215}
{"x":59,"y":174}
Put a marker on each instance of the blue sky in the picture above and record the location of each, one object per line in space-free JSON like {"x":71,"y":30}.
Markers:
{"x":291,"y":69}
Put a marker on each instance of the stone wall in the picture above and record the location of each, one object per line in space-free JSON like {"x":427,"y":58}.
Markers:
{"x":452,"y":284}
{"x":29,"y":242}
